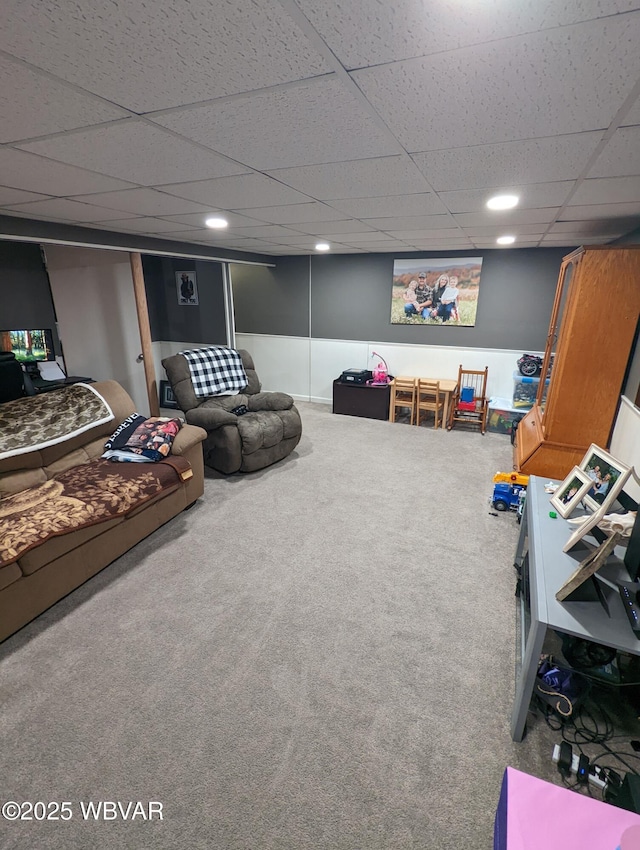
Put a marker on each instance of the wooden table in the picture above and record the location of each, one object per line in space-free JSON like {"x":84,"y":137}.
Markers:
{"x":447,"y":388}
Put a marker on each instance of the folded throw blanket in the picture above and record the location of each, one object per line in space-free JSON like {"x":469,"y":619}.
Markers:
{"x":142,"y":440}
{"x":215,"y":370}
{"x":34,"y":422}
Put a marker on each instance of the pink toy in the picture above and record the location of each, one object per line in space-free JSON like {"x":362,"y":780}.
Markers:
{"x":380,"y":371}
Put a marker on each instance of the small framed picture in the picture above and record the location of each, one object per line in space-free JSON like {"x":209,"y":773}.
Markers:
{"x":187,"y":288}
{"x":607,"y":475}
{"x":167,"y":398}
{"x":571,"y":492}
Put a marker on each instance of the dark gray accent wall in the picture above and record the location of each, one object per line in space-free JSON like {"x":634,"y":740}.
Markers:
{"x":351,"y":299}
{"x":204,"y":322}
{"x":272,"y":300}
{"x":25,"y":294}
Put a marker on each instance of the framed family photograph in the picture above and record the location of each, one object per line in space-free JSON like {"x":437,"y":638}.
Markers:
{"x":571,"y":492}
{"x":167,"y":398}
{"x":187,"y":288}
{"x":607,"y":475}
{"x":436,"y":291}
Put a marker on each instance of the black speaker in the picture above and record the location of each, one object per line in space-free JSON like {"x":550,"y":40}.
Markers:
{"x":628,"y":796}
{"x":632,"y":555}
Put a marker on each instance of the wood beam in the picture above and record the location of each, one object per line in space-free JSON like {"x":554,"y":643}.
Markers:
{"x":145,"y":332}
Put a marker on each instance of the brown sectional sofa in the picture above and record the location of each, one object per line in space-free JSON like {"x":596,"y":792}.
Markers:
{"x":51,"y":570}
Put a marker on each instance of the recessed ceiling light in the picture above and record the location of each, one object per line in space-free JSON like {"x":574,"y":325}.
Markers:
{"x":217,"y":222}
{"x":503,"y":202}
{"x":506,"y":240}
{"x":322,"y":246}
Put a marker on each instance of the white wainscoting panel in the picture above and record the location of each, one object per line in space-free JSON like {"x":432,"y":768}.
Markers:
{"x":306,"y":368}
{"x":282,"y":362}
{"x":625,"y":442}
{"x":329,"y":359}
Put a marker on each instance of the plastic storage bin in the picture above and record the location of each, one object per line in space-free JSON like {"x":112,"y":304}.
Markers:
{"x":502,"y":415}
{"x":525,"y":391}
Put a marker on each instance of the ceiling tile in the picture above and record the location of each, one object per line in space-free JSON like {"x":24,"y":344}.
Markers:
{"x":47,"y":106}
{"x":151,"y":57}
{"x":607,"y":190}
{"x":506,"y":218}
{"x":322,"y":227}
{"x":426,"y":203}
{"x":511,"y":87}
{"x":200,"y":234}
{"x":68,"y":210}
{"x":145,"y":224}
{"x":154,"y":156}
{"x":37,"y":174}
{"x":428,"y":222}
{"x":441,"y":244}
{"x":484,"y":244}
{"x":621,"y":156}
{"x":559,"y":239}
{"x":297,"y":241}
{"x":241,"y":192}
{"x":577,"y":213}
{"x":297,"y":213}
{"x":320,"y":121}
{"x":633,"y":115}
{"x":510,"y":163}
{"x":390,"y":175}
{"x":532,"y":196}
{"x":144,"y":202}
{"x":362,"y":238}
{"x":389,"y":247}
{"x":264,"y":231}
{"x":412,"y":235}
{"x":404,"y":28}
{"x":198,"y":219}
{"x":505,"y":229}
{"x":18,"y":196}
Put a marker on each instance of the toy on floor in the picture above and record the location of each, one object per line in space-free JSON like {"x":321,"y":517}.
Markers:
{"x":509,"y":492}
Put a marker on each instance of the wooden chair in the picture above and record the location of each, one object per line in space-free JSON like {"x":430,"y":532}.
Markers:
{"x":470,"y":403}
{"x":403,"y":395}
{"x":428,"y":399}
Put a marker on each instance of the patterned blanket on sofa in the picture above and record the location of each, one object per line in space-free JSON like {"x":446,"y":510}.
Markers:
{"x":34,"y":422}
{"x":81,"y":496}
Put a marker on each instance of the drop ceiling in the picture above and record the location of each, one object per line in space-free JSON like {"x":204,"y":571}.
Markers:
{"x":373,"y":125}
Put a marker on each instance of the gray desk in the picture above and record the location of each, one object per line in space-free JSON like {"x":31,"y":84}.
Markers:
{"x":549,"y":567}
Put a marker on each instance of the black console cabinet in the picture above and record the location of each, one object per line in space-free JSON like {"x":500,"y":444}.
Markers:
{"x":361,"y":400}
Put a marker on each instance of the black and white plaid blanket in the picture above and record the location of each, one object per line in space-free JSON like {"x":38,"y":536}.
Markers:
{"x":215,"y":370}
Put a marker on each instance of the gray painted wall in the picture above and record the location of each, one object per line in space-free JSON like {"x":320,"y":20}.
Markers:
{"x":24,"y":290}
{"x":351,"y":299}
{"x":204,"y":322}
{"x":272,"y":300}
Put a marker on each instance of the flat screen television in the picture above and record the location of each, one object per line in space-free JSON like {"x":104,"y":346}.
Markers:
{"x":29,"y":346}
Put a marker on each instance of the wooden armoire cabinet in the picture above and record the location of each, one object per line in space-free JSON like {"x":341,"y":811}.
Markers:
{"x":592,"y":329}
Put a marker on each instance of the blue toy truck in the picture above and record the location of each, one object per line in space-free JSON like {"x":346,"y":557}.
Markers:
{"x":506,"y":497}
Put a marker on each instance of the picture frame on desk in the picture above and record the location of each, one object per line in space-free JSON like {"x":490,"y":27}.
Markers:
{"x":571,"y":492}
{"x":167,"y":398}
{"x":605,"y":471}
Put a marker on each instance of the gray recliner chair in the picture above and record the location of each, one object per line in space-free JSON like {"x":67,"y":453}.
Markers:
{"x":267,"y":433}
